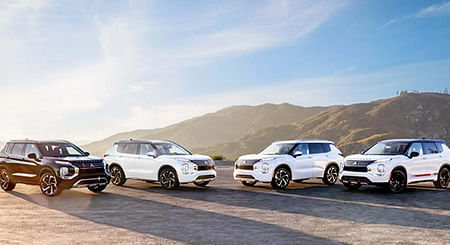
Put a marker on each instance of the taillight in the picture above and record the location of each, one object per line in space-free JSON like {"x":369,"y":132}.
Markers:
{"x":341,"y":154}
{"x":105,"y":155}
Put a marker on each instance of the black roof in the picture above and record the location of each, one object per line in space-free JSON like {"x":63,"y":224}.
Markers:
{"x":27,"y":141}
{"x":141,"y":141}
{"x":413,"y":140}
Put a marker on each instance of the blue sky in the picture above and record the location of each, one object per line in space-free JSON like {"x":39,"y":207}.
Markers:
{"x":83,"y":70}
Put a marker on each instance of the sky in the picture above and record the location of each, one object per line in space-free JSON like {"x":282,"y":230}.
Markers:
{"x":84,"y":70}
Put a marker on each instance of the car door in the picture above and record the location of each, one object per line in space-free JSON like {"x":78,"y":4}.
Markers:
{"x":32,"y":172}
{"x":147,"y":166}
{"x":416,"y":166}
{"x":431,"y":157}
{"x":302,"y":167}
{"x":19,"y":165}
{"x":128,"y":159}
{"x":319,"y":159}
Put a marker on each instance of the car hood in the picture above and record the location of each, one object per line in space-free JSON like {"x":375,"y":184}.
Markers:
{"x":371,"y":158}
{"x":75,"y":159}
{"x":186,"y":157}
{"x":262,"y":157}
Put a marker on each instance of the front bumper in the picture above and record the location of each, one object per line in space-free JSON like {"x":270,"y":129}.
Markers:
{"x":363,"y":178}
{"x":197,"y":176}
{"x":252,"y":175}
{"x":85,"y":178}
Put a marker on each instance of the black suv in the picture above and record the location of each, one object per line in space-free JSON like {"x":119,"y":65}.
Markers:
{"x":53,"y":165}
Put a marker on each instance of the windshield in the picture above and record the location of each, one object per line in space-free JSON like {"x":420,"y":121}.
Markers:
{"x":60,"y":150}
{"x":168,"y":148}
{"x":278,"y":149}
{"x":387,"y":148}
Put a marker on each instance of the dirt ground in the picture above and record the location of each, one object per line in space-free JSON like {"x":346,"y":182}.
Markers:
{"x":226,"y":213}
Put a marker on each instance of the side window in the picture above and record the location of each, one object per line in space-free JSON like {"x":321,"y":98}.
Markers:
{"x":429,"y":148}
{"x":315,"y":148}
{"x":303,"y":148}
{"x":326,"y":147}
{"x":120,"y":148}
{"x":31,"y":148}
{"x":131,"y":148}
{"x":146,"y":148}
{"x":8,"y":147}
{"x":18,"y":149}
{"x":439,"y":146}
{"x":415,"y":147}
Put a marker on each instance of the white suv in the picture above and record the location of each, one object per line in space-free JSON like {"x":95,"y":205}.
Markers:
{"x":162,"y":161}
{"x":284,"y":161}
{"x":396,"y":163}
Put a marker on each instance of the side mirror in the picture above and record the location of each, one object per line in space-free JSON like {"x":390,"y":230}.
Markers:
{"x":32,"y":156}
{"x":298,"y":154}
{"x":87,"y":153}
{"x":151,"y":154}
{"x":414,"y":154}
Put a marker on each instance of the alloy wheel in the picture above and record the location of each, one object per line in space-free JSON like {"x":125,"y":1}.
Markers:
{"x":48,"y":184}
{"x":4,"y":179}
{"x":168,"y":179}
{"x":332,"y":175}
{"x":116,"y":176}
{"x":444,"y":177}
{"x":397,"y":182}
{"x":282,"y":178}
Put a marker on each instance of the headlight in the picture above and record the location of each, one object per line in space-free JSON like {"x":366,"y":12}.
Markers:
{"x":383,"y":160}
{"x":63,"y":171}
{"x":381,"y":168}
{"x":185,"y":168}
{"x":182,"y":160}
{"x":265,"y":168}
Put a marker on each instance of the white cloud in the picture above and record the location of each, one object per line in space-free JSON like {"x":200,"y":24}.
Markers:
{"x":434,"y":10}
{"x":126,"y":78}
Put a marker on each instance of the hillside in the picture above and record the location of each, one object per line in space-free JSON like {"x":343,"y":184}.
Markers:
{"x":226,"y":125}
{"x":357,"y":126}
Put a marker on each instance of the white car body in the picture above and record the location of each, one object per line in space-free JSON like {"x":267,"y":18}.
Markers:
{"x":260,"y":167}
{"x":377,"y":169}
{"x":189,"y":168}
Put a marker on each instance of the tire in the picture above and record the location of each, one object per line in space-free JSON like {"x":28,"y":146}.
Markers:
{"x":49,"y":185}
{"x":201,"y":184}
{"x":250,"y":184}
{"x":5,"y":181}
{"x":117,"y":176}
{"x":352,"y":186}
{"x":331,"y":175}
{"x":443,"y":178}
{"x":168,"y":179}
{"x":97,"y":188}
{"x":397,"y":183}
{"x":281,"y":178}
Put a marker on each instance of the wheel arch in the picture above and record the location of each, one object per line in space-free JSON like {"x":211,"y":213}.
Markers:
{"x":45,"y":170}
{"x":401,"y":168}
{"x":285,"y":165}
{"x":330,"y":164}
{"x":165,"y":166}
{"x":117,"y":165}
{"x":444,"y":165}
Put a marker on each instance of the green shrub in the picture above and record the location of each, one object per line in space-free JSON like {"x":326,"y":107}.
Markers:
{"x":217,"y":157}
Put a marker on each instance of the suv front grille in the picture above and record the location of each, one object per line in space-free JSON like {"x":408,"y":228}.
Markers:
{"x":203,"y":165}
{"x":210,"y":176}
{"x":355,"y":168}
{"x":88,"y":164}
{"x":244,"y":176}
{"x":244,"y":167}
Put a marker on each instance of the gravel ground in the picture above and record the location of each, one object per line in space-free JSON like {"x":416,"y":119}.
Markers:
{"x":226,"y":213}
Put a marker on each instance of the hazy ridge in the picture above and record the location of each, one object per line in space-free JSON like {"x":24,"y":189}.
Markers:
{"x":240,"y":130}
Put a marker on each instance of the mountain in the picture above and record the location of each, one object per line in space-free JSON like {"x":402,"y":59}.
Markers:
{"x":355,"y":127}
{"x":226,"y":125}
